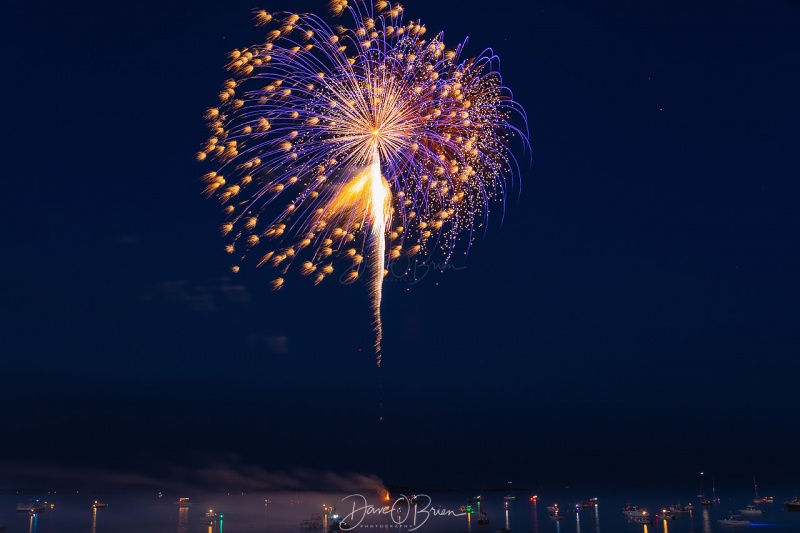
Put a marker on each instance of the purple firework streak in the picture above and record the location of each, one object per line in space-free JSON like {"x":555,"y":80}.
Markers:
{"x":350,"y":147}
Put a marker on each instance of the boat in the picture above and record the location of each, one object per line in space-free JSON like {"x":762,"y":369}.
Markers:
{"x":183,"y":502}
{"x":678,"y":508}
{"x":585,"y":505}
{"x":338,"y":524}
{"x":734,"y":520}
{"x":634,"y":511}
{"x":640,"y":519}
{"x":474,"y":499}
{"x":98,"y":505}
{"x":502,"y":530}
{"x":31,"y":506}
{"x":509,"y":497}
{"x":751,"y":510}
{"x":310,"y":524}
{"x":506,"y":506}
{"x":666,"y":514}
{"x":211,"y":516}
{"x":483,"y":518}
{"x":792,"y":505}
{"x":554,"y":512}
{"x":760,"y":499}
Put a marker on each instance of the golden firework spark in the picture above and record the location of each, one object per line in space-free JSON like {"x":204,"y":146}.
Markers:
{"x":338,"y":144}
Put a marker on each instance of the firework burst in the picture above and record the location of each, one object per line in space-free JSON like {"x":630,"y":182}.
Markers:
{"x":347,"y":148}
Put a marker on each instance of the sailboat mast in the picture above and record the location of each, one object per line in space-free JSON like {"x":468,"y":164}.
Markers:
{"x":713,"y":490}
{"x":702,"y":494}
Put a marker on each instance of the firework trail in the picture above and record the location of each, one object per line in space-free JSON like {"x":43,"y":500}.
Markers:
{"x":381,"y":217}
{"x":353,"y":147}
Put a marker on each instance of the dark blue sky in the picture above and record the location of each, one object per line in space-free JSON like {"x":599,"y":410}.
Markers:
{"x":639,"y":303}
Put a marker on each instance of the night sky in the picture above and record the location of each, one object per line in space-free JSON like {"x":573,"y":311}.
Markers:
{"x":637,"y":305}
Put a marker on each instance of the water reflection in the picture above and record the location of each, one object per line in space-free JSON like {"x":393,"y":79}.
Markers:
{"x":211,"y":527}
{"x":596,"y":518}
{"x":507,"y":526}
{"x":183,"y":519}
{"x":706,"y":522}
{"x":249,"y":514}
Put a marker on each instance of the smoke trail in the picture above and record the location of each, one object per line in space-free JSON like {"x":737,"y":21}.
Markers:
{"x":205,"y":472}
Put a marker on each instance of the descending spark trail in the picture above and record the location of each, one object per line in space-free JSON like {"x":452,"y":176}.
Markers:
{"x":350,"y":148}
{"x":381,"y":219}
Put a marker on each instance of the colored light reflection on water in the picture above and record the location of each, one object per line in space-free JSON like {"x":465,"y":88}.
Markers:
{"x":284,"y":512}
